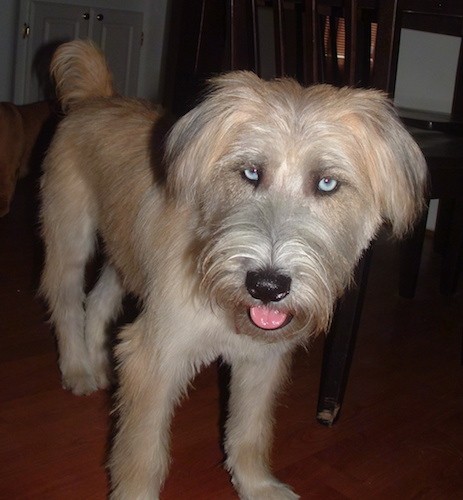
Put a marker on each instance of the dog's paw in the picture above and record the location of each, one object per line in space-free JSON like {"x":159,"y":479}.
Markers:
{"x":131,"y":491}
{"x":79,"y":382}
{"x":271,"y":490}
{"x":87,"y":377}
{"x":117,"y":495}
{"x":101,"y":370}
{"x":102,"y":376}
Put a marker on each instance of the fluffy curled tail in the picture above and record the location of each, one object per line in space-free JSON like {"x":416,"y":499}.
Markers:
{"x":80,"y":72}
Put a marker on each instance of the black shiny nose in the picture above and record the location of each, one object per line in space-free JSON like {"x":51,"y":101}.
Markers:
{"x":268,"y":286}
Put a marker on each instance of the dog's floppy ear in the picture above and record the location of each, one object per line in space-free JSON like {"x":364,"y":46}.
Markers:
{"x":200,"y":137}
{"x":396,"y":166}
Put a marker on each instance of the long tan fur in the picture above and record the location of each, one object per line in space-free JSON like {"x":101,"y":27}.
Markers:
{"x":238,"y":244}
{"x":80,"y":71}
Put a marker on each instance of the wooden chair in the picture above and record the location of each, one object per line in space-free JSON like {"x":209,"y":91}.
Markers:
{"x":443,"y":151}
{"x":438,"y":134}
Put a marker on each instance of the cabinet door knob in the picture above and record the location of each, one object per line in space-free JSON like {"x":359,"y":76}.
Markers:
{"x":86,"y":16}
{"x":100,"y":17}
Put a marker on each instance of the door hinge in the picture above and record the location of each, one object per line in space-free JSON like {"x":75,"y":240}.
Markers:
{"x":26,"y":31}
{"x":142,"y":38}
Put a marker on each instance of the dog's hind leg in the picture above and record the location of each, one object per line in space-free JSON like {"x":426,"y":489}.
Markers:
{"x":103,"y":304}
{"x":68,"y":229}
{"x":248,"y":438}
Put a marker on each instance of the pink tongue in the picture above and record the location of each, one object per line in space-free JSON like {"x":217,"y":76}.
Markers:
{"x":266,"y":318}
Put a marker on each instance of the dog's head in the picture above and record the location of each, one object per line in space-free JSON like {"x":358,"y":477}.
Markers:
{"x":290,"y":185}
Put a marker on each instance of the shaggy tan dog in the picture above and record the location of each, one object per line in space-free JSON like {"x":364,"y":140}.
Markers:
{"x":20,"y":127}
{"x":238,"y":244}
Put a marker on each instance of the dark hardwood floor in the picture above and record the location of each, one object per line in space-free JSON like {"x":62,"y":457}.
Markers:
{"x":400,"y":434}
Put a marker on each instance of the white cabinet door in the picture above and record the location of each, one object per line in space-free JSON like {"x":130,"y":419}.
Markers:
{"x":47,"y":24}
{"x":50,"y":25}
{"x":119,"y":34}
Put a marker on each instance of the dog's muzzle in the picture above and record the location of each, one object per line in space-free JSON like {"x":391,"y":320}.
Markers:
{"x":268,"y":286}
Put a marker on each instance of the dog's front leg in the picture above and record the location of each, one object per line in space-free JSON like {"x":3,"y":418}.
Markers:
{"x":249,"y":429}
{"x":152,"y":379}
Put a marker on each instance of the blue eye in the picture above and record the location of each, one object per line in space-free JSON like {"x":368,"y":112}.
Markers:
{"x":327,"y":185}
{"x":252,"y":175}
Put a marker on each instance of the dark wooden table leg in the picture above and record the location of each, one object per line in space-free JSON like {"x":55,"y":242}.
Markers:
{"x":452,"y":252}
{"x":339,"y":346}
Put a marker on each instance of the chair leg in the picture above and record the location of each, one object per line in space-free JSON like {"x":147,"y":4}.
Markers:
{"x":339,"y":347}
{"x":410,"y":258}
{"x":452,"y":253}
{"x":443,"y":224}
{"x":461,"y":360}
